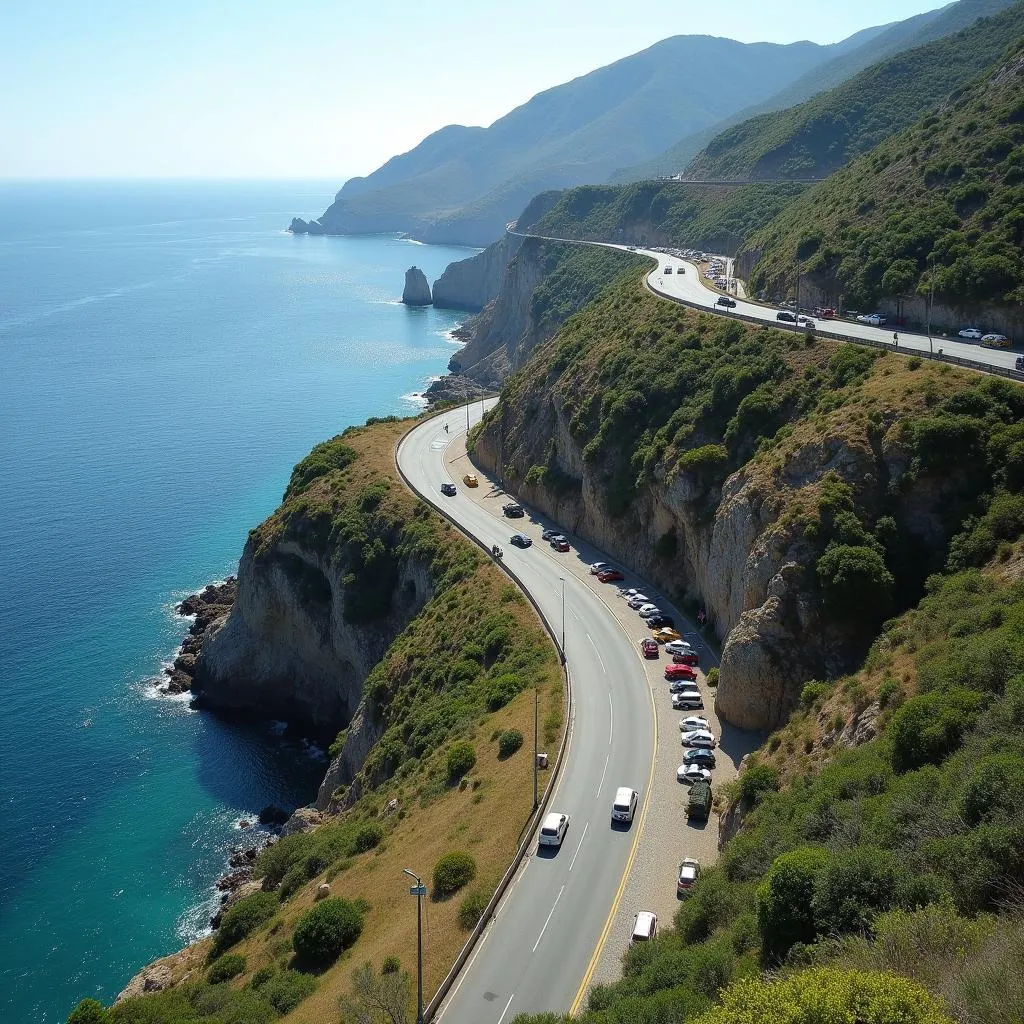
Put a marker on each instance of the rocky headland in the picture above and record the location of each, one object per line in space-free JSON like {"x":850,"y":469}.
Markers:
{"x":208,"y":609}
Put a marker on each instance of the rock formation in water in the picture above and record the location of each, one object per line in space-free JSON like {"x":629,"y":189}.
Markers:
{"x":417,"y":290}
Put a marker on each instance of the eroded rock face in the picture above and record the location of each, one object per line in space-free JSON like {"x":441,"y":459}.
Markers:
{"x":417,"y":290}
{"x":471,"y":283}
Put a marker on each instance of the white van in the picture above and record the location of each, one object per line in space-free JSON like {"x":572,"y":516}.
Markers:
{"x":645,"y":926}
{"x":552,"y":832}
{"x":624,"y":805}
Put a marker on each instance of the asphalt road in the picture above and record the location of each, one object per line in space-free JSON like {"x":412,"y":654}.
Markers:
{"x":537,"y":950}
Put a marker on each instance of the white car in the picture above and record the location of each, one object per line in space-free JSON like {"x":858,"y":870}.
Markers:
{"x":689,"y":872}
{"x":624,"y":804}
{"x":974,"y":333}
{"x":694,"y":722}
{"x":689,"y":700}
{"x":691,"y":773}
{"x":645,"y":926}
{"x":699,"y":738}
{"x":637,"y":601}
{"x":678,"y":647}
{"x":627,"y":592}
{"x":875,"y":319}
{"x":552,"y":832}
{"x":805,"y":321}
{"x":600,"y":567}
{"x":649,"y":611}
{"x":683,"y":685}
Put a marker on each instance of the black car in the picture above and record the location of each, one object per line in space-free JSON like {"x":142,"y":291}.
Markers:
{"x":724,"y":300}
{"x":549,"y":535}
{"x":513,"y":510}
{"x":785,"y":315}
{"x":705,"y":758}
{"x":448,"y":489}
{"x":661,"y":621}
{"x":520,"y":540}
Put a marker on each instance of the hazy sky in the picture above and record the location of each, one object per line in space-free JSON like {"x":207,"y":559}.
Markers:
{"x":309,"y":88}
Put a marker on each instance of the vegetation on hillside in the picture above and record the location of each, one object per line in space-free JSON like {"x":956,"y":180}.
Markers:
{"x":815,"y":138}
{"x":716,"y":218}
{"x":940,"y":203}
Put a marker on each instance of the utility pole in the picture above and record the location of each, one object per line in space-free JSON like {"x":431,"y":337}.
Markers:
{"x":419,"y":890}
{"x":931,"y":297}
{"x":536,"y":744}
{"x":562,"y":578}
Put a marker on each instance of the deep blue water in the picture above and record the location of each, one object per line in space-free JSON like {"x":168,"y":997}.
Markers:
{"x":167,"y":353}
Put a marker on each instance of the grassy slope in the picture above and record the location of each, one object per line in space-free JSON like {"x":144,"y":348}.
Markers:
{"x":950,"y":188}
{"x":659,"y":213}
{"x":476,"y":645}
{"x":819,"y":136}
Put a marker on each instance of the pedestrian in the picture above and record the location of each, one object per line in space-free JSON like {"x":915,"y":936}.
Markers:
{"x":896,"y":339}
{"x":446,"y":428}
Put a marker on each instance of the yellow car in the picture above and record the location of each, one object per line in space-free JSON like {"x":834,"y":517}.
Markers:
{"x":470,"y":480}
{"x":665,"y":634}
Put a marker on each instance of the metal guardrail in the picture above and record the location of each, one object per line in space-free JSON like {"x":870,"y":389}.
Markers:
{"x":460,"y":961}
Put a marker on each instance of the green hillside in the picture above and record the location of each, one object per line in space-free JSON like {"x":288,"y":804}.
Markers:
{"x":950,"y":189}
{"x":711,"y":217}
{"x":815,"y":138}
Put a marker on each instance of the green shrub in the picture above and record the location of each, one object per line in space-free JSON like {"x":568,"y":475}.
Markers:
{"x":327,"y":930}
{"x":758,"y":780}
{"x":856,"y":583}
{"x":461,"y":758}
{"x":471,"y":909}
{"x":890,"y":693}
{"x":713,"y":675}
{"x":852,"y":888}
{"x":88,"y":1011}
{"x":244,"y":917}
{"x":285,"y":989}
{"x":390,"y":965}
{"x":225,"y":967}
{"x":784,"y":913}
{"x":509,"y":742}
{"x":295,"y":878}
{"x":451,"y":873}
{"x":812,"y":693}
{"x":368,"y":837}
{"x":930,"y":726}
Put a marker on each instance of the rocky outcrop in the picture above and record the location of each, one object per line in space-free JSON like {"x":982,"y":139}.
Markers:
{"x":454,"y":388}
{"x":417,"y":290}
{"x":471,"y":283}
{"x":208,"y":610}
{"x":299,"y":226}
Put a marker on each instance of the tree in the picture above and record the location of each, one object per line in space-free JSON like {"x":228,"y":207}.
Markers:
{"x":377,"y":998}
{"x":853,"y":887}
{"x":784,"y":914}
{"x":324,"y":932}
{"x":88,"y":1011}
{"x":855,"y":581}
{"x":461,"y":758}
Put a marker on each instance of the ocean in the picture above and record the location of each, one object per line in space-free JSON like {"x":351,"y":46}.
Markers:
{"x":167,"y":354}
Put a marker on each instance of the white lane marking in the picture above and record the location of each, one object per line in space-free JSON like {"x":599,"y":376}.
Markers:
{"x":598,"y":653}
{"x":611,"y":718}
{"x":577,"y":853}
{"x":603,"y":774}
{"x":571,"y":612}
{"x":507,"y":1005}
{"x":550,"y":915}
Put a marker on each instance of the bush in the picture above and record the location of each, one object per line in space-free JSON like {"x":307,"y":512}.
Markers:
{"x":930,"y":726}
{"x":784,"y":914}
{"x":451,"y":873}
{"x":367,"y":837}
{"x":758,"y":780}
{"x":712,"y":676}
{"x":284,"y":990}
{"x":244,"y":917}
{"x":461,"y":758}
{"x":856,"y":583}
{"x":390,"y":965}
{"x":812,"y":693}
{"x":509,"y":742}
{"x":853,"y":888}
{"x":88,"y":1011}
{"x":327,"y":930}
{"x":472,"y":907}
{"x":225,"y":967}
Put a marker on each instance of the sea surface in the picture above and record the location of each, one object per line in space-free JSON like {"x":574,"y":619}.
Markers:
{"x":167,"y":354}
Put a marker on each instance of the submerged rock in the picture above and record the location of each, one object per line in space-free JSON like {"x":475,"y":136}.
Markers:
{"x":417,"y":290}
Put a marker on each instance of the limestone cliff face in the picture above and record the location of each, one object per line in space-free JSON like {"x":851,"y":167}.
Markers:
{"x":286,"y":650}
{"x":471,"y":283}
{"x":417,"y":291}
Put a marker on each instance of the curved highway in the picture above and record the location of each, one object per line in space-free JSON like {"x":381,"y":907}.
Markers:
{"x":691,"y":289}
{"x":537,"y":950}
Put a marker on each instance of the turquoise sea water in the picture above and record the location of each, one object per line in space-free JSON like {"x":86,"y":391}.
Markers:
{"x":167,"y":353}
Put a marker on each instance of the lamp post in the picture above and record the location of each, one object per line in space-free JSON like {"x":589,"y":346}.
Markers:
{"x":419,"y":890}
{"x":562,"y":579}
{"x":931,"y":297}
{"x":536,"y":744}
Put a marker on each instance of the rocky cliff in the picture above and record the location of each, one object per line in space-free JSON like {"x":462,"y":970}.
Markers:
{"x":471,"y":283}
{"x":417,"y":290}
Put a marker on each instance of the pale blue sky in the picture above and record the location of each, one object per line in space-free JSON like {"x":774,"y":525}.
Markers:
{"x":308,"y":88}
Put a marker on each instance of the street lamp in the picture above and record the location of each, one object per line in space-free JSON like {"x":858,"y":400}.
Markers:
{"x":536,"y":744}
{"x":419,"y":890}
{"x":562,"y":579}
{"x":931,"y":297}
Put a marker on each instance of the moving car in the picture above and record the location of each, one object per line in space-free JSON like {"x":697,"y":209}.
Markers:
{"x":674,"y":671}
{"x":705,"y":758}
{"x":699,"y":803}
{"x":520,"y":540}
{"x":805,"y":321}
{"x":470,"y":480}
{"x":513,"y":510}
{"x":689,"y":658}
{"x":1019,"y":365}
{"x":609,"y":576}
{"x":694,"y":722}
{"x":677,"y":647}
{"x":875,"y":319}
{"x":724,"y":300}
{"x":562,"y":545}
{"x":552,"y":832}
{"x":689,"y":872}
{"x":665,"y":635}
{"x":784,"y":314}
{"x":661,"y":621}
{"x":688,"y":700}
{"x":668,"y":270}
{"x":698,"y":738}
{"x":448,"y":489}
{"x":974,"y":333}
{"x":645,"y":926}
{"x":648,"y":647}
{"x":690,"y":773}
{"x":624,"y":804}
{"x":995,"y":341}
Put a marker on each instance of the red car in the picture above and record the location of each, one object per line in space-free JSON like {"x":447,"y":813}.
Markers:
{"x":692,"y":658}
{"x":679,"y":672}
{"x":562,"y":545}
{"x":649,"y":648}
{"x":610,"y":576}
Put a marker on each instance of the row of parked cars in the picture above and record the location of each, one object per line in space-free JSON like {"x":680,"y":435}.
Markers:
{"x":987,"y":339}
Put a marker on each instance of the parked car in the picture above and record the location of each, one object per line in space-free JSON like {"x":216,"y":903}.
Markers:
{"x":699,"y":803}
{"x":691,"y":773}
{"x":448,"y":489}
{"x":599,"y":567}
{"x":552,"y":832}
{"x":624,"y":804}
{"x":556,"y":539}
{"x":661,"y":621}
{"x":677,"y":647}
{"x":673,"y":671}
{"x":609,"y":576}
{"x":548,"y":535}
{"x":645,"y":611}
{"x":513,"y":510}
{"x":995,"y":341}
{"x":724,"y":300}
{"x":698,"y":738}
{"x":627,"y":592}
{"x":520,"y":540}
{"x":875,"y":319}
{"x":689,"y":872}
{"x":784,"y":314}
{"x":638,"y":600}
{"x":705,"y":758}
{"x":645,"y":927}
{"x":688,"y":700}
{"x":562,"y":545}
{"x":974,"y":333}
{"x":470,"y":480}
{"x":692,"y":722}
{"x":649,"y":647}
{"x":665,"y":635}
{"x":689,"y":658}
{"x":683,"y":686}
